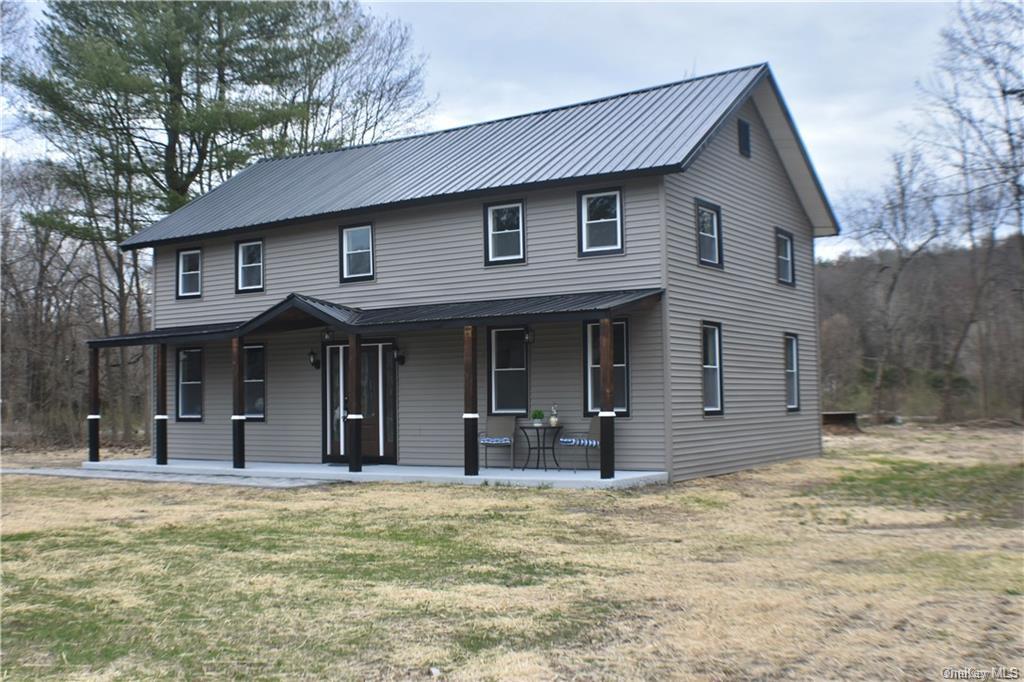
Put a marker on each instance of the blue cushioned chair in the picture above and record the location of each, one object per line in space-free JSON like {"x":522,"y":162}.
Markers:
{"x":590,"y":439}
{"x":501,"y":433}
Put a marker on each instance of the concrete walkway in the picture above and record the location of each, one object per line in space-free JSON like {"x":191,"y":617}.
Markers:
{"x":192,"y":479}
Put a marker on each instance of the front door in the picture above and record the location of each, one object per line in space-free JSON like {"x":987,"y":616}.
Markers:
{"x":377,"y":401}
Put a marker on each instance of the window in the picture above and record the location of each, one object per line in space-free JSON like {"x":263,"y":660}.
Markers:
{"x":620,"y":366}
{"x":784,"y":269}
{"x":744,"y":134}
{"x":791,"y":345}
{"x":356,"y":253}
{"x":509,"y":392}
{"x":711,"y":344}
{"x":255,"y":380}
{"x":504,"y":233}
{"x":190,"y":271}
{"x":249,"y":262}
{"x":709,"y":234}
{"x":600,"y":223}
{"x":190,"y":384}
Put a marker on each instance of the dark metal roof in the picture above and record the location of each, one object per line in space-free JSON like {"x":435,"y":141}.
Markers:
{"x":297,"y":311}
{"x":656,"y":129}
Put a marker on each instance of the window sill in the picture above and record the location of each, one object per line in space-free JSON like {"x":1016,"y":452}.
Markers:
{"x":357,"y":278}
{"x":249,"y":291}
{"x":709,"y":264}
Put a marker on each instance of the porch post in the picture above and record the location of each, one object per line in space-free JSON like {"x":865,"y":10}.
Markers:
{"x":470,"y":417}
{"x":607,"y":413}
{"x":160,"y":408}
{"x":354,"y":420}
{"x":238,"y":404}
{"x":94,"y":404}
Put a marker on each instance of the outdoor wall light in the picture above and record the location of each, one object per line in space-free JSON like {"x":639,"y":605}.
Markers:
{"x":326,"y":336}
{"x":398,"y":356}
{"x":314,"y":360}
{"x":528,"y":336}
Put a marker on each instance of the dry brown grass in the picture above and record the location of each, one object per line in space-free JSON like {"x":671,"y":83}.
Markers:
{"x":761,"y":574}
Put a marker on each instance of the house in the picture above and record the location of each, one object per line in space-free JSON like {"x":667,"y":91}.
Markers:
{"x":644,"y":260}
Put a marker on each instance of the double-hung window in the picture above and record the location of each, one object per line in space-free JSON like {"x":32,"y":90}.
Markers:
{"x":506,"y":233}
{"x":190,"y":384}
{"x":709,"y":234}
{"x":255,"y":380}
{"x":620,"y":366}
{"x":249,"y":266}
{"x":190,"y":273}
{"x":743,"y":130}
{"x":791,"y":346}
{"x":509,"y":382}
{"x":784,"y":271}
{"x":600,"y":222}
{"x":711,"y":365}
{"x":356,"y":253}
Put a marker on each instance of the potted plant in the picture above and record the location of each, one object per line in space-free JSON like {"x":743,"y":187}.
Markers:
{"x":538,"y":417}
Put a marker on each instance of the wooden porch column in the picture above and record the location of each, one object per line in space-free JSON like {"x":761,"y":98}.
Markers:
{"x":238,"y":404}
{"x":607,"y":413}
{"x":160,"y":407}
{"x":94,"y":404}
{"x":354,"y":420}
{"x":470,"y":416}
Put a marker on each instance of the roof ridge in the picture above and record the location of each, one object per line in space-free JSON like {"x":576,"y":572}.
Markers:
{"x":562,"y":107}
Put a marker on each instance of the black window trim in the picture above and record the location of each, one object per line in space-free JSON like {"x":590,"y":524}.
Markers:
{"x":779,"y":232}
{"x":177,"y":384}
{"x":341,"y":254}
{"x":587,"y":412}
{"x":490,"y":370}
{"x":591,"y":253}
{"x":743,"y":133}
{"x":488,"y":260}
{"x":786,"y":337}
{"x":699,"y":204}
{"x":721,"y":370}
{"x":238,"y":266}
{"x":177,"y":272}
{"x":266,"y":365}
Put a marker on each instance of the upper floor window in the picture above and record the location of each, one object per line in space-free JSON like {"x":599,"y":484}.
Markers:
{"x":784,"y":269}
{"x":190,"y":273}
{"x":709,"y":234}
{"x":620,"y":366}
{"x":743,"y":128}
{"x":249,"y":265}
{"x":791,"y":346}
{"x":356,"y":253}
{"x":711,"y":364}
{"x":509,"y":383}
{"x":255,"y":380}
{"x":190,"y":384}
{"x":506,"y":233}
{"x":600,"y":223}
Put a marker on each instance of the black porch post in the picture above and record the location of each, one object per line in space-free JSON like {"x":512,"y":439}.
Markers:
{"x":160,"y":408}
{"x":94,"y":404}
{"x":354,"y":420}
{"x":238,"y":405}
{"x":470,"y":417}
{"x":607,"y":413}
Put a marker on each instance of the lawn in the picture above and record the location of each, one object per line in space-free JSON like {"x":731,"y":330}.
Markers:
{"x":899,"y":553}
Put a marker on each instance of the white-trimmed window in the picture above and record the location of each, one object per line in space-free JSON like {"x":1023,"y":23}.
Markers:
{"x":190,"y":384}
{"x":709,"y":234}
{"x":356,"y":253}
{"x":600,"y":223}
{"x":506,"y":233}
{"x":620,"y":364}
{"x":190,"y":273}
{"x":791,"y":344}
{"x":711,"y":365}
{"x":255,"y":379}
{"x":249,"y":261}
{"x":784,"y":257}
{"x":509,"y":376}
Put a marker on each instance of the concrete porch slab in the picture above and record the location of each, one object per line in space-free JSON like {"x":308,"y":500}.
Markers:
{"x":164,"y":477}
{"x":386,"y":473}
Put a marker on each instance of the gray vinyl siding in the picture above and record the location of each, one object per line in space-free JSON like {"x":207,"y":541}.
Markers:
{"x":754,"y":310}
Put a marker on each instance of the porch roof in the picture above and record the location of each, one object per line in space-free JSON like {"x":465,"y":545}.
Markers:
{"x":298,"y":311}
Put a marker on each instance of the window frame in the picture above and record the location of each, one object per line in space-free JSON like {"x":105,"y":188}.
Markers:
{"x":342,"y":252}
{"x":178,"y":416}
{"x":743,"y":133}
{"x":239,"y":289}
{"x":583,"y":251}
{"x":788,"y":236}
{"x":266,"y":365}
{"x":587,"y":324}
{"x":178,"y":272}
{"x":504,"y":260}
{"x":720,"y":410}
{"x":490,"y":371}
{"x":698,"y":206}
{"x":795,"y":339}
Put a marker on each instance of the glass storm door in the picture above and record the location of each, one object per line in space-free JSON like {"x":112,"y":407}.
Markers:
{"x":377,"y":402}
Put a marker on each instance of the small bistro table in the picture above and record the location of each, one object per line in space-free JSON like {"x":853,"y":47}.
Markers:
{"x":544,"y":439}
